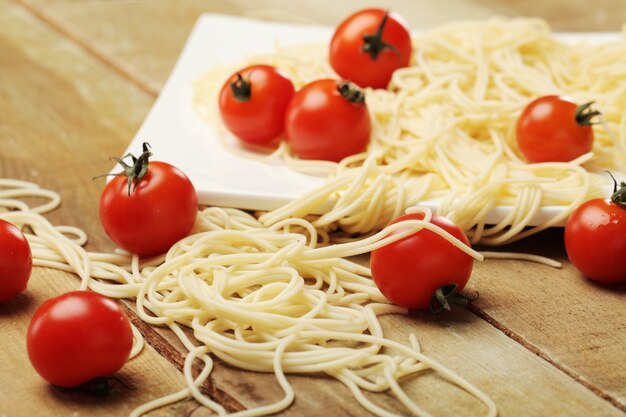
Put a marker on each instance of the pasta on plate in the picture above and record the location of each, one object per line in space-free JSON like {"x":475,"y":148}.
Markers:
{"x":444,"y":130}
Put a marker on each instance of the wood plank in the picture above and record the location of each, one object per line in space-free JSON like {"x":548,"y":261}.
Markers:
{"x":575,"y":324}
{"x":61,"y":115}
{"x":520,"y":382}
{"x":162,"y":26}
{"x":462,"y":341}
{"x":24,"y":393}
{"x":565,"y":15}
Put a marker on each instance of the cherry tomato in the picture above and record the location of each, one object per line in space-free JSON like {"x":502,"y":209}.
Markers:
{"x":595,"y":238}
{"x":16,"y":261}
{"x":555,"y":129}
{"x":411,"y":270}
{"x":253,"y":101}
{"x":154,"y":211}
{"x":327,"y":119}
{"x":77,"y":337}
{"x":369,"y":46}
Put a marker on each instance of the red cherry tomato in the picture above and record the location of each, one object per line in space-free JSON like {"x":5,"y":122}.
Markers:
{"x":77,"y":337}
{"x":411,"y":270}
{"x":327,"y":119}
{"x":16,"y":261}
{"x":157,"y":211}
{"x":595,"y":238}
{"x":554,"y":129}
{"x":253,"y":101}
{"x":369,"y":46}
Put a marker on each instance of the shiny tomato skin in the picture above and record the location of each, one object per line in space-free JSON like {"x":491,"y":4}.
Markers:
{"x":547,"y":131}
{"x":321,"y":124}
{"x":595,"y":240}
{"x":409,"y":271}
{"x":261,"y":118}
{"x":16,"y":261}
{"x":160,"y":211}
{"x":349,"y":60}
{"x":77,"y":337}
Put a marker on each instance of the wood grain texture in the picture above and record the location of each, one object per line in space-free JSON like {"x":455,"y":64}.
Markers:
{"x":565,"y":15}
{"x":127,"y":34}
{"x":24,"y":393}
{"x":141,"y":28}
{"x":164,"y":342}
{"x":62,"y":115}
{"x":520,"y":382}
{"x":77,"y":79}
{"x":575,"y":324}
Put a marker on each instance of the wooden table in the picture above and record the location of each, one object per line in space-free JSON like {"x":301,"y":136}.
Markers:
{"x":77,"y":78}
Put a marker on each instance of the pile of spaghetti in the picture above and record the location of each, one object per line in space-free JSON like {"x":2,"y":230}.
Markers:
{"x":445,"y":130}
{"x":266,"y":299}
{"x":274,"y":292}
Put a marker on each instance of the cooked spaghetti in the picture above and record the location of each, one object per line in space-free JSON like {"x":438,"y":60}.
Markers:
{"x":445,"y":129}
{"x":267,"y":299}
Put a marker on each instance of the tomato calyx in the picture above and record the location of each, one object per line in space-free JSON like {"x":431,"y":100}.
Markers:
{"x":350,"y":92}
{"x":584,"y":114}
{"x":134,"y":172}
{"x":373,"y":43}
{"x":446,"y":296}
{"x":241,"y":88}
{"x":619,"y":192}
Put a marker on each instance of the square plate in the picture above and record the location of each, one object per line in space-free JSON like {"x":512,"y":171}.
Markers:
{"x":180,"y":137}
{"x":221,"y":178}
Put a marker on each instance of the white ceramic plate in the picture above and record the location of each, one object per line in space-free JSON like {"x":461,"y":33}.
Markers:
{"x":221,"y":178}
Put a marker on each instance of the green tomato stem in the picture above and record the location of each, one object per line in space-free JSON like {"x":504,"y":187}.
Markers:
{"x":241,"y":88}
{"x":134,"y":172}
{"x":447,"y":296}
{"x":619,"y":192}
{"x":350,"y":92}
{"x":584,"y":114}
{"x":373,"y":43}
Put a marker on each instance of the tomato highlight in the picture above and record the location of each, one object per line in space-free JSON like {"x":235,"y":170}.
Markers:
{"x":423,"y":270}
{"x":148,"y":207}
{"x":555,"y":129}
{"x":252,"y":103}
{"x":16,"y":261}
{"x":77,"y":337}
{"x":369,"y":46}
{"x":595,"y":237}
{"x":327,"y":120}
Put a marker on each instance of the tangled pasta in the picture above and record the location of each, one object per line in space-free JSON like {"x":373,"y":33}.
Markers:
{"x":265,"y":299}
{"x":444,"y":130}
